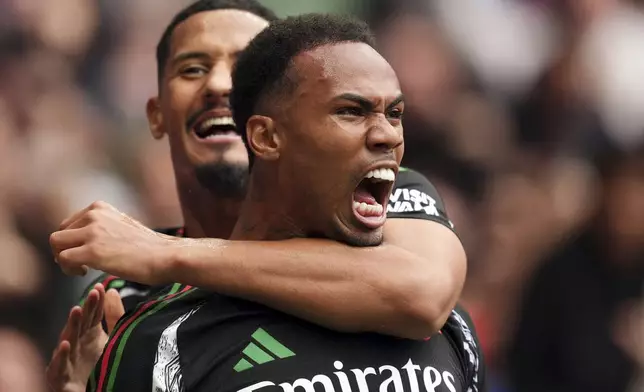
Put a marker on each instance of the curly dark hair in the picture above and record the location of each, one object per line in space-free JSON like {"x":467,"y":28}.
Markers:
{"x":163,"y":47}
{"x":261,"y":69}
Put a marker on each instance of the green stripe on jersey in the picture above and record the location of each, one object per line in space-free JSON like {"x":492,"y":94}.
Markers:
{"x":242,"y":365}
{"x":163,"y":302}
{"x":272,"y":344}
{"x":115,"y":284}
{"x":257,"y":354}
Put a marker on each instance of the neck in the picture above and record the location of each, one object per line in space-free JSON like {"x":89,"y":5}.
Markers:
{"x":263,"y":216}
{"x":206,"y":215}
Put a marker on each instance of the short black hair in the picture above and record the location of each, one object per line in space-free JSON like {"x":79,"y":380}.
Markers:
{"x":163,"y":47}
{"x":262,"y":66}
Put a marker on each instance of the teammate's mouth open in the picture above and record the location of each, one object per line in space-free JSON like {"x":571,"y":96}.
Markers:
{"x":214,"y":126}
{"x":370,"y":197}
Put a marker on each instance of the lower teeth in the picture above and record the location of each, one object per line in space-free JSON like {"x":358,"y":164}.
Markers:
{"x":214,"y":135}
{"x":368,"y":209}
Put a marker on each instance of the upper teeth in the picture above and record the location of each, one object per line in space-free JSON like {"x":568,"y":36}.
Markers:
{"x":214,"y":121}
{"x":382,"y":174}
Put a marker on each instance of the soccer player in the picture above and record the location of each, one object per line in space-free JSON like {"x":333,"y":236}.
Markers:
{"x":328,"y":144}
{"x":195,"y":57}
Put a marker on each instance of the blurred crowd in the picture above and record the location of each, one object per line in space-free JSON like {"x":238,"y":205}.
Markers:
{"x":528,"y":115}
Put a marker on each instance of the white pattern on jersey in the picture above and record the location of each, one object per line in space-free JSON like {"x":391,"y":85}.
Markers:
{"x":166,"y":374}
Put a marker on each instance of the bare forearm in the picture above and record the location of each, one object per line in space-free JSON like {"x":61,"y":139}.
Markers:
{"x":383,"y":289}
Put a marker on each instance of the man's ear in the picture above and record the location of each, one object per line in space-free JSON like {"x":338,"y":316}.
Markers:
{"x":263,"y":139}
{"x":155,"y":118}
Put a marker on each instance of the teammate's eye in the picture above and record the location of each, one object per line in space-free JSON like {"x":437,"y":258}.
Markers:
{"x":351,"y":111}
{"x":193,"y":71}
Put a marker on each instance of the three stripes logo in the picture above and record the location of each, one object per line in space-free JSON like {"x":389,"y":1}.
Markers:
{"x":262,"y":348}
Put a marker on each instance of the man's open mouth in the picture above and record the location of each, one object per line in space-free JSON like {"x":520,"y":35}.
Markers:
{"x":216,"y":128}
{"x":371,"y":195}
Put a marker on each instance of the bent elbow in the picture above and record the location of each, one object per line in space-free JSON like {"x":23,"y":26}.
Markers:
{"x":423,"y":321}
{"x":424,"y":311}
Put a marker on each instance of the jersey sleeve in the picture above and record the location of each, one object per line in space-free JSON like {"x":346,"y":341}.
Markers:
{"x":131,"y":293}
{"x":460,"y":328}
{"x":108,"y":281}
{"x":414,"y":197}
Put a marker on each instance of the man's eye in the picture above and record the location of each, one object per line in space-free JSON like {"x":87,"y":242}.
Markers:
{"x":396,"y":114}
{"x":194,"y":71}
{"x":350,"y":111}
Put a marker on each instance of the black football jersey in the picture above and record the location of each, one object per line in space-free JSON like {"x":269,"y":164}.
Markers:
{"x":180,"y":338}
{"x":192,"y":340}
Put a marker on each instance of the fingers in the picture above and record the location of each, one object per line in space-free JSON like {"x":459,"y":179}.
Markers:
{"x":56,"y":372}
{"x":70,"y":238}
{"x":99,"y":313}
{"x":93,"y":308}
{"x":78,"y":215}
{"x":74,"y":316}
{"x":114,"y":309}
{"x":65,"y":240}
{"x":74,"y":324}
{"x":72,"y":261}
{"x":97,"y":205}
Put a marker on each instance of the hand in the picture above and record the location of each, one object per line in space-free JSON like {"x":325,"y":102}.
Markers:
{"x":82,"y":340}
{"x":103,"y":238}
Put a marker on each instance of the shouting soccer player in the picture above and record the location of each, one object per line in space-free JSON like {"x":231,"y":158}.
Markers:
{"x":327,"y":143}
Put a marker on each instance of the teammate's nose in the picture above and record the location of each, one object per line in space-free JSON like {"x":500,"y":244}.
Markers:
{"x":219,"y":83}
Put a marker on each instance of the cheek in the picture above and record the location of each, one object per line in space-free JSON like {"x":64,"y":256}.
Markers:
{"x":400,"y":152}
{"x":337,"y":141}
{"x":181,"y":99}
{"x":342,"y":128}
{"x":178,"y":148}
{"x":320,"y":161}
{"x":174,"y":125}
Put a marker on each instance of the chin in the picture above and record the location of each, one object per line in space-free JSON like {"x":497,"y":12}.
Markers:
{"x":232,"y":154}
{"x":354,"y":234}
{"x":371,"y":239}
{"x":357,"y":238}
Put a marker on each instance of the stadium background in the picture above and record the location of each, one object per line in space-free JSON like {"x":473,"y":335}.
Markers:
{"x":527,"y":114}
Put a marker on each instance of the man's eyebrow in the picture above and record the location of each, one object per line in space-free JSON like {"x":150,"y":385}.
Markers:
{"x":400,"y":98}
{"x":365,"y":103}
{"x":190,"y":56}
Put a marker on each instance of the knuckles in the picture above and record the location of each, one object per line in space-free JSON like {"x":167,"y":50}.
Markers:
{"x":99,"y":205}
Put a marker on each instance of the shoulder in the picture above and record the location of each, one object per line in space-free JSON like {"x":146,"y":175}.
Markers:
{"x":415,"y":197}
{"x":411,"y":177}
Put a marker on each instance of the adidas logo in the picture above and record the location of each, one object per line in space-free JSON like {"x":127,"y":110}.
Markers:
{"x":262,"y":348}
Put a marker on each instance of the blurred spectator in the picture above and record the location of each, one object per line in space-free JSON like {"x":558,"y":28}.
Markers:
{"x":566,"y":336}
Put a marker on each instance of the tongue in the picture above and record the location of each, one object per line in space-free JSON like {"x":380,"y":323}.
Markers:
{"x":363,"y":196}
